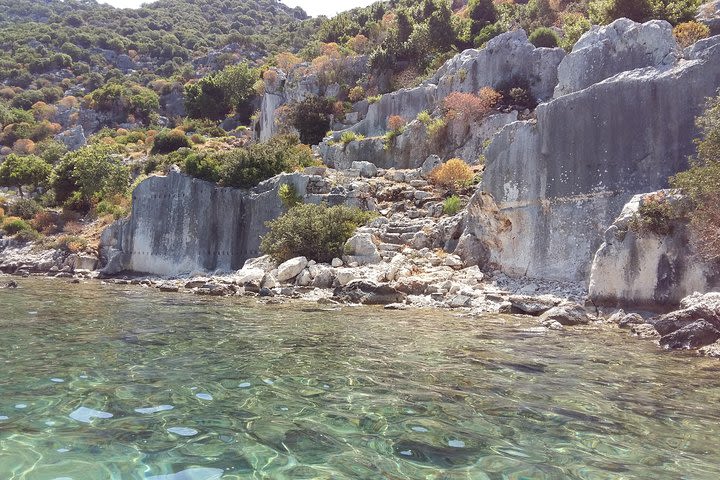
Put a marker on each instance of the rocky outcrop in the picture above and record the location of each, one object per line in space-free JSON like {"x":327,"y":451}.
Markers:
{"x":461,"y":138}
{"x":709,"y":14}
{"x":560,"y":180}
{"x":508,"y":60}
{"x":621,"y":46}
{"x":181,"y":225}
{"x":646,"y":270}
{"x":73,"y":138}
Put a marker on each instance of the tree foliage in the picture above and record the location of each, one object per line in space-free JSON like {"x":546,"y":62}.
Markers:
{"x":18,"y":171}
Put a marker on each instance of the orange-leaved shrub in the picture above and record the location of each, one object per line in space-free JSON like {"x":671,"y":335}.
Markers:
{"x":690,"y":32}
{"x":395,"y":123}
{"x":453,"y":174}
{"x":470,"y":105}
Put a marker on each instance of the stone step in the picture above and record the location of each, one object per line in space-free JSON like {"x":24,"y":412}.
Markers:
{"x":392,"y":238}
{"x":403,"y":228}
{"x":389,"y":247}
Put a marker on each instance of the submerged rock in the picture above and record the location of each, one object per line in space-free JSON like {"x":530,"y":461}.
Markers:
{"x":369,"y":293}
{"x":566,"y":313}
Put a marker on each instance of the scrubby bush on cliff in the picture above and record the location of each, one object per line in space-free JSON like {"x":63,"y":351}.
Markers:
{"x":348,"y":137}
{"x":453,"y":175}
{"x":167,"y":141}
{"x":544,"y":37}
{"x":674,"y":11}
{"x":318,"y":232}
{"x":288,"y":195}
{"x":452,"y":205}
{"x":203,"y":166}
{"x":218,"y":94}
{"x":655,"y":214}
{"x":702,"y":184}
{"x":690,"y":32}
{"x":13,"y":225}
{"x":469,"y":105}
{"x":18,"y":171}
{"x":25,"y":208}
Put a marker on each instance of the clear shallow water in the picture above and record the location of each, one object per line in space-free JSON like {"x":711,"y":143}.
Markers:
{"x":108,"y":382}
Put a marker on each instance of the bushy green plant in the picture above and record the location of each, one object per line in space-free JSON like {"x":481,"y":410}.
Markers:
{"x":246,"y":167}
{"x":452,"y":205}
{"x":544,"y":37}
{"x":288,"y":195}
{"x":13,"y":225}
{"x":167,"y":141}
{"x":90,"y":174}
{"x":424,"y":117}
{"x":318,"y":232}
{"x":349,"y":136}
{"x":107,"y":207}
{"x":311,"y":118}
{"x":203,"y":166}
{"x":25,"y":208}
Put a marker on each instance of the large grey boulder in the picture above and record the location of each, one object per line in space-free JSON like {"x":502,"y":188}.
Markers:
{"x":567,"y":313}
{"x":369,"y":293}
{"x":692,"y":308}
{"x":621,"y":46}
{"x":362,"y":248}
{"x":291,"y":268}
{"x":694,"y":335}
{"x":646,"y":270}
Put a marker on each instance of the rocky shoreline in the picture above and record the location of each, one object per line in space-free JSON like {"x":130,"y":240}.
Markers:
{"x":694,"y":326}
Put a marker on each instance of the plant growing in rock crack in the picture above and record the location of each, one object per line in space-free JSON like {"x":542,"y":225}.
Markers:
{"x":452,"y":205}
{"x":289,"y":196}
{"x":396,"y":126}
{"x":348,"y":137}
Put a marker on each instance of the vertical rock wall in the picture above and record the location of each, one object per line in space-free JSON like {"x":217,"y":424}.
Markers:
{"x":563,"y":179}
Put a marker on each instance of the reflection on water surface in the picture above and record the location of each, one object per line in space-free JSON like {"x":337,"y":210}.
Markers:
{"x":111,"y":382}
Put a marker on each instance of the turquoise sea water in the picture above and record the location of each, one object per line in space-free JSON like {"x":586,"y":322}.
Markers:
{"x":119,"y":382}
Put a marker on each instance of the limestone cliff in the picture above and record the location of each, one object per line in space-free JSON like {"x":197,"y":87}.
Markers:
{"x":562,"y":179}
{"x":181,"y":225}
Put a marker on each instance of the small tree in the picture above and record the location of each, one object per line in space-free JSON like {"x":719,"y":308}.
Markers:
{"x":92,"y":172}
{"x":17,"y":171}
{"x":311,"y":118}
{"x":482,"y":13}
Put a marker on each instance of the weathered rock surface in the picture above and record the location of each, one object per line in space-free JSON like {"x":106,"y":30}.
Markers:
{"x":362,"y":249}
{"x":691,"y":336}
{"x":646,"y":270}
{"x":559,"y":181}
{"x":692,"y":308}
{"x":180,"y":225}
{"x":709,"y":14}
{"x":533,"y":305}
{"x":291,"y":268}
{"x":73,"y":138}
{"x":621,"y":46}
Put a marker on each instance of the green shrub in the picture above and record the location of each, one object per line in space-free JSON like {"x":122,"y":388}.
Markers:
{"x":318,"y":232}
{"x":424,"y":117}
{"x":106,"y":207}
{"x":374,"y":99}
{"x":452,"y":205}
{"x":167,"y":141}
{"x":348,"y":137}
{"x":311,"y":118}
{"x":288,"y":195}
{"x":29,"y":235}
{"x":544,"y":37}
{"x":25,"y":208}
{"x":89,"y":174}
{"x":13,"y":225}
{"x":246,"y":167}
{"x":203,"y":166}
